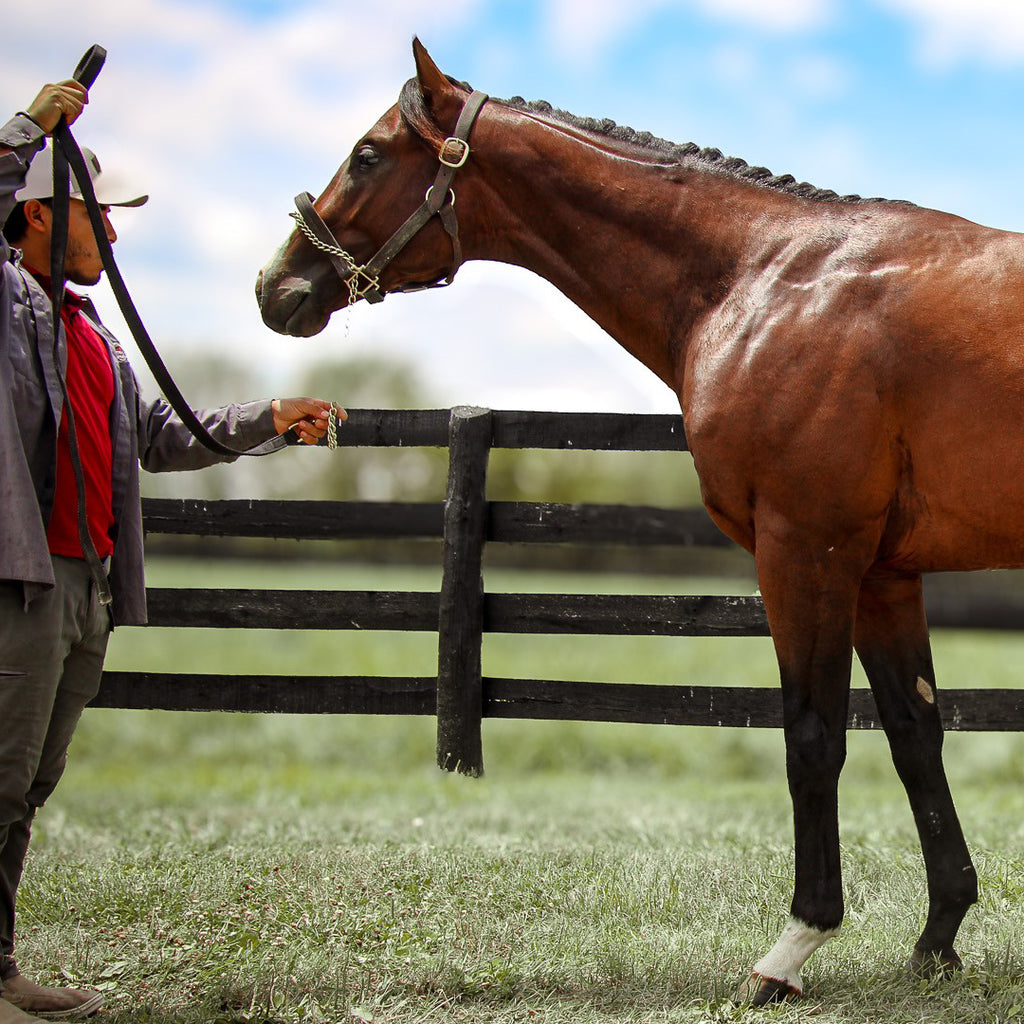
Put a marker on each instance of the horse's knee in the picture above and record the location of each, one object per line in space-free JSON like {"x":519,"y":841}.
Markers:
{"x":815,"y":752}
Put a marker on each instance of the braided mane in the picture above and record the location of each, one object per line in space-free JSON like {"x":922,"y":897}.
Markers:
{"x":689,"y":152}
{"x":420,"y":121}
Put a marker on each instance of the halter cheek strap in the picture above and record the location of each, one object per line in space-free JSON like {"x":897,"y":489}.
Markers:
{"x":363,"y":281}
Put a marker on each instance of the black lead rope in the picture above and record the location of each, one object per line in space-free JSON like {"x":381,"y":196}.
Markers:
{"x":68,"y":157}
{"x":86,"y":73}
{"x":68,"y":147}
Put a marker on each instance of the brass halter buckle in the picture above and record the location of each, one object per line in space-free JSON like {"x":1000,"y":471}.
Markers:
{"x":454,"y":152}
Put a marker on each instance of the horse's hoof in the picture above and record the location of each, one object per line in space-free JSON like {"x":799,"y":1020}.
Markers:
{"x":758,"y":990}
{"x":934,"y":963}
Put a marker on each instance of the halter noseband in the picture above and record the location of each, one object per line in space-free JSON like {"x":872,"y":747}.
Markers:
{"x":363,"y":281}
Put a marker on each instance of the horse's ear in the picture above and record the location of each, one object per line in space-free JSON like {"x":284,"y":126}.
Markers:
{"x":433,"y":82}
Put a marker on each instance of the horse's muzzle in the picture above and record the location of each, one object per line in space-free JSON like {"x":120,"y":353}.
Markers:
{"x":286,"y":306}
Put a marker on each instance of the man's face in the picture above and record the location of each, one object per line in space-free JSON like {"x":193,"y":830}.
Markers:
{"x":83,"y":264}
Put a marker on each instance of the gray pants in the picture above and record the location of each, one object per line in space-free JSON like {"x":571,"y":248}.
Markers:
{"x":51,"y":660}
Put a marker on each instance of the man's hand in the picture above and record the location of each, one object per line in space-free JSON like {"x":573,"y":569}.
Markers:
{"x":308,"y":417}
{"x":65,"y":99}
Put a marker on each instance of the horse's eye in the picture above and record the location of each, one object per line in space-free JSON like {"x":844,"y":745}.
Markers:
{"x":366,"y":156}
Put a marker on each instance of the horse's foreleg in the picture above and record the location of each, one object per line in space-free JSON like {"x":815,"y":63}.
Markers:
{"x":892,"y":642}
{"x":811,"y":605}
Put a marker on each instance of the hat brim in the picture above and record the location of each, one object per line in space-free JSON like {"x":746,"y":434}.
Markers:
{"x":114,"y":190}
{"x":111,"y":187}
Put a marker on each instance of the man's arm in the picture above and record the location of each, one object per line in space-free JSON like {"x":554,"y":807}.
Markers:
{"x":165,"y":443}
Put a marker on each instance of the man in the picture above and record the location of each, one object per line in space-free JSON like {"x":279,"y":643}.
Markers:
{"x":54,"y":567}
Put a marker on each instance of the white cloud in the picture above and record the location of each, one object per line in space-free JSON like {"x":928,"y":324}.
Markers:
{"x":742,"y":67}
{"x":584,"y":29}
{"x":517,"y":344}
{"x":175,"y":66}
{"x":952,"y":30}
{"x":774,"y":16}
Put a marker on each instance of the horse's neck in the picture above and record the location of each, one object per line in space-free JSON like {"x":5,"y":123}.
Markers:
{"x":644,"y":248}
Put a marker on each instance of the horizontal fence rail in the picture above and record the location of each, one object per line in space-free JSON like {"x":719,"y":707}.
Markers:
{"x":981,"y":710}
{"x":610,"y":614}
{"x":462,"y":612}
{"x":507,"y":522}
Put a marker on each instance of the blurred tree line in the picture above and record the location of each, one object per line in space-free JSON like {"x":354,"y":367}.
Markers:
{"x":664,"y":479}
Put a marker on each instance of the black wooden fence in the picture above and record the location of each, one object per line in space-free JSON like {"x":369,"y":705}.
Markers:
{"x":459,"y":695}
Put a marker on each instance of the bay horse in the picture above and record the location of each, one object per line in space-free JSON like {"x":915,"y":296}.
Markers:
{"x":851,"y":378}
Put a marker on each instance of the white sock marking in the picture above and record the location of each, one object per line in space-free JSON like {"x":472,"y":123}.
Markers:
{"x":794,"y":946}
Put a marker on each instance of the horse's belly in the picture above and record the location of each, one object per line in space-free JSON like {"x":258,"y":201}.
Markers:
{"x":943,"y":554}
{"x":953,"y":529}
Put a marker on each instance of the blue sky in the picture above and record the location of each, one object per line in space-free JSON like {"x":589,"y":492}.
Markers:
{"x":230,"y":107}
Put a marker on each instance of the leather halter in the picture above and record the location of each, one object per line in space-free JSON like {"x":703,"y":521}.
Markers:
{"x":363,"y":281}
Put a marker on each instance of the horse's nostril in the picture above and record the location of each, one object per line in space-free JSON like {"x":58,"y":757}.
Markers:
{"x":280,"y":299}
{"x":295,"y":290}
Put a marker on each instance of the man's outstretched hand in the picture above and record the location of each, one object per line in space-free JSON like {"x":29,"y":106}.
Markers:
{"x":307,"y":417}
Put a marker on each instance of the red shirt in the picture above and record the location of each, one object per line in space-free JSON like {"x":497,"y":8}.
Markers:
{"x":90,"y":383}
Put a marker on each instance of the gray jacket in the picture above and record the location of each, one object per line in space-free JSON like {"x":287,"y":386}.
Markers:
{"x":143,"y":432}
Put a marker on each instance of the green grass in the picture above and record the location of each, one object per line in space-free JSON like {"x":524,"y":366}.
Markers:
{"x":231,"y":868}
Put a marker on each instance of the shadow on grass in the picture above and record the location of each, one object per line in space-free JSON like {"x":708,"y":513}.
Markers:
{"x":992,"y":995}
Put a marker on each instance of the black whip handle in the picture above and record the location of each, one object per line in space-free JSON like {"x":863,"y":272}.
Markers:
{"x":90,"y":66}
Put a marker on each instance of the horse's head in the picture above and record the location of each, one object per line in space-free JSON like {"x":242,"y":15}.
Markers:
{"x":372,"y":231}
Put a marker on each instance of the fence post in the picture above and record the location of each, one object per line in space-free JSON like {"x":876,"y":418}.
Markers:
{"x":460,"y":619}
